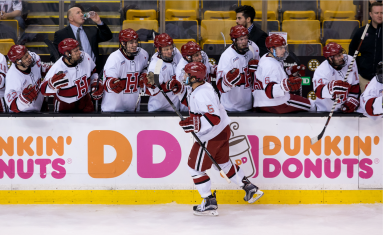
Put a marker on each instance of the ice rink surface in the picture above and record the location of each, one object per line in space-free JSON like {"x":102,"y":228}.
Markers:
{"x":365,"y":219}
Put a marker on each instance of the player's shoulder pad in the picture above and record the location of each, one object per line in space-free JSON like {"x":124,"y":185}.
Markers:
{"x":204,"y":93}
{"x":324,"y":70}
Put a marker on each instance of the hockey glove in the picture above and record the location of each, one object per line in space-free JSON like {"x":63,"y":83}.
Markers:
{"x":115,"y":85}
{"x":58,"y":81}
{"x":296,"y":71}
{"x":350,"y":105}
{"x":191,"y":124}
{"x":141,"y":79}
{"x":28,"y":95}
{"x":291,"y":84}
{"x":232,"y":78}
{"x":338,"y":87}
{"x":175,"y":86}
{"x":149,"y":80}
{"x":253,"y":65}
{"x":96,"y":90}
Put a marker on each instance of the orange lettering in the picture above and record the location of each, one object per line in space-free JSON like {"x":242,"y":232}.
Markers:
{"x":297,"y":145}
{"x":267,"y":140}
{"x":238,"y":162}
{"x":53,"y":145}
{"x":24,"y":146}
{"x":7,"y":146}
{"x":307,"y":146}
{"x":39,"y":146}
{"x":347,"y":145}
{"x":332,"y":145}
{"x":360,"y":145}
{"x":96,"y":166}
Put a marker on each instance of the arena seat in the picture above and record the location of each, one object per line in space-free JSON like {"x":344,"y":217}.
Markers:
{"x":298,"y":6}
{"x":299,"y":31}
{"x":5,"y":45}
{"x":9,"y":29}
{"x":182,"y":29}
{"x":299,"y":15}
{"x":211,"y":31}
{"x":306,"y":49}
{"x":272,"y":8}
{"x":220,"y":15}
{"x":338,"y":29}
{"x":345,"y":43}
{"x":272,"y":25}
{"x":132,"y":14}
{"x":229,"y":5}
{"x":337,"y":10}
{"x":140,"y":24}
{"x":181,"y":10}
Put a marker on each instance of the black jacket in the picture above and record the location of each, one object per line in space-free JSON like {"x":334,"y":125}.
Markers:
{"x":371,"y":50}
{"x":259,"y":37}
{"x":95,"y":35}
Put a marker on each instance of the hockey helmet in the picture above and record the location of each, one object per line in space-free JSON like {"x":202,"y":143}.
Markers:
{"x":196,"y":70}
{"x":274,"y":41}
{"x":163,"y":40}
{"x":333,"y":49}
{"x":189,"y":49}
{"x":16,"y":52}
{"x":379,"y":72}
{"x":67,"y":45}
{"x":127,"y":35}
{"x":238,"y":31}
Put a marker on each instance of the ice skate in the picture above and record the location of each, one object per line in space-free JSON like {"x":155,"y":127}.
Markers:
{"x":252,"y":191}
{"x":207,"y":207}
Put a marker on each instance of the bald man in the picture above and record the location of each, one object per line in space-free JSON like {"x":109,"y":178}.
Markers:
{"x":89,"y":36}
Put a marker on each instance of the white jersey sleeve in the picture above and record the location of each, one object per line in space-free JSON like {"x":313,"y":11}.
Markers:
{"x":254,"y":49}
{"x":321,"y":78}
{"x":3,"y":72}
{"x":371,"y":99}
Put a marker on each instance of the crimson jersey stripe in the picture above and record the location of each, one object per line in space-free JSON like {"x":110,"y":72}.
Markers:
{"x":318,"y":91}
{"x":370,"y":107}
{"x":201,"y":180}
{"x":212,"y":119}
{"x":269,"y":90}
{"x":14,"y":107}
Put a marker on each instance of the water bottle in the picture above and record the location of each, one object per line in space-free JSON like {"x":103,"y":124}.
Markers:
{"x":89,"y":14}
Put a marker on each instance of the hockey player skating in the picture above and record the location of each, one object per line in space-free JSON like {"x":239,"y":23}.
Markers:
{"x":170,"y":55}
{"x":192,"y":52}
{"x":273,"y":83}
{"x":235,"y":69}
{"x":3,"y":72}
{"x":371,"y":99}
{"x":123,"y":69}
{"x":70,"y":78}
{"x":329,"y":81}
{"x":209,"y":120}
{"x":23,"y":80}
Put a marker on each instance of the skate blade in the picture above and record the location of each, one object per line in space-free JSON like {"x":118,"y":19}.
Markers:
{"x":258,"y":194}
{"x":206,"y":213}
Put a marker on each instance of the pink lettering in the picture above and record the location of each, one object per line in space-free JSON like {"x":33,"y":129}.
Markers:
{"x":145,"y":166}
{"x":266,"y":168}
{"x":292,"y":174}
{"x":363,"y":165}
{"x":350,"y":166}
{"x":57,"y":166}
{"x":316,"y":168}
{"x":20,"y":170}
{"x":327,"y":168}
{"x":7,"y":169}
{"x":43,"y":166}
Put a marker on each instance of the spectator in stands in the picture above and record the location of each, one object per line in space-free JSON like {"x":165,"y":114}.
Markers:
{"x":11,"y":9}
{"x":371,"y":48}
{"x":87,"y":36}
{"x":245,"y":17}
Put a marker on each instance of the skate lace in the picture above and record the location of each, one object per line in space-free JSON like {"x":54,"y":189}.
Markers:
{"x":202,"y":206}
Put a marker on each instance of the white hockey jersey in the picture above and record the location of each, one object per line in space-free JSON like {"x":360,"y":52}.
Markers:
{"x":180,"y":72}
{"x":79,"y":78}
{"x":324,"y":74}
{"x":371,"y":99}
{"x":157,"y":101}
{"x":270,"y":70}
{"x":10,"y":5}
{"x":204,"y":100}
{"x":238,"y":98}
{"x":17,"y":81}
{"x":119,"y":66}
{"x":3,"y":72}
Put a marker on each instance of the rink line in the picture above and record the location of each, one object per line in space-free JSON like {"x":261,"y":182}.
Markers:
{"x":186,"y":196}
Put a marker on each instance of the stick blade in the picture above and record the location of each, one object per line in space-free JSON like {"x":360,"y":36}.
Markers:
{"x":157,"y":80}
{"x":314,"y":140}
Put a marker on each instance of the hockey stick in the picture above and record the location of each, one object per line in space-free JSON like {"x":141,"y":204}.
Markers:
{"x":157,"y":82}
{"x":52,"y":49}
{"x":298,"y":61}
{"x":224,"y":41}
{"x":317,"y":138}
{"x":98,"y":82}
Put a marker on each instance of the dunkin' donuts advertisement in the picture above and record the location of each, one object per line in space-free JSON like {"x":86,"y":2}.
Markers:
{"x":152,"y":153}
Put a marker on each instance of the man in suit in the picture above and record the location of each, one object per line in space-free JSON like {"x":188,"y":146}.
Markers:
{"x":87,"y":36}
{"x":245,"y":17}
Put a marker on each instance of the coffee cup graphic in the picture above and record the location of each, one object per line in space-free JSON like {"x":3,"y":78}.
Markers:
{"x":240,"y":154}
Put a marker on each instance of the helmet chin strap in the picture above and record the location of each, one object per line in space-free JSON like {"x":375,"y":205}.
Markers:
{"x":130,"y":55}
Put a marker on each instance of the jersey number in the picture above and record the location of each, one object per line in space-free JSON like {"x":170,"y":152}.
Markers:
{"x":210,"y":108}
